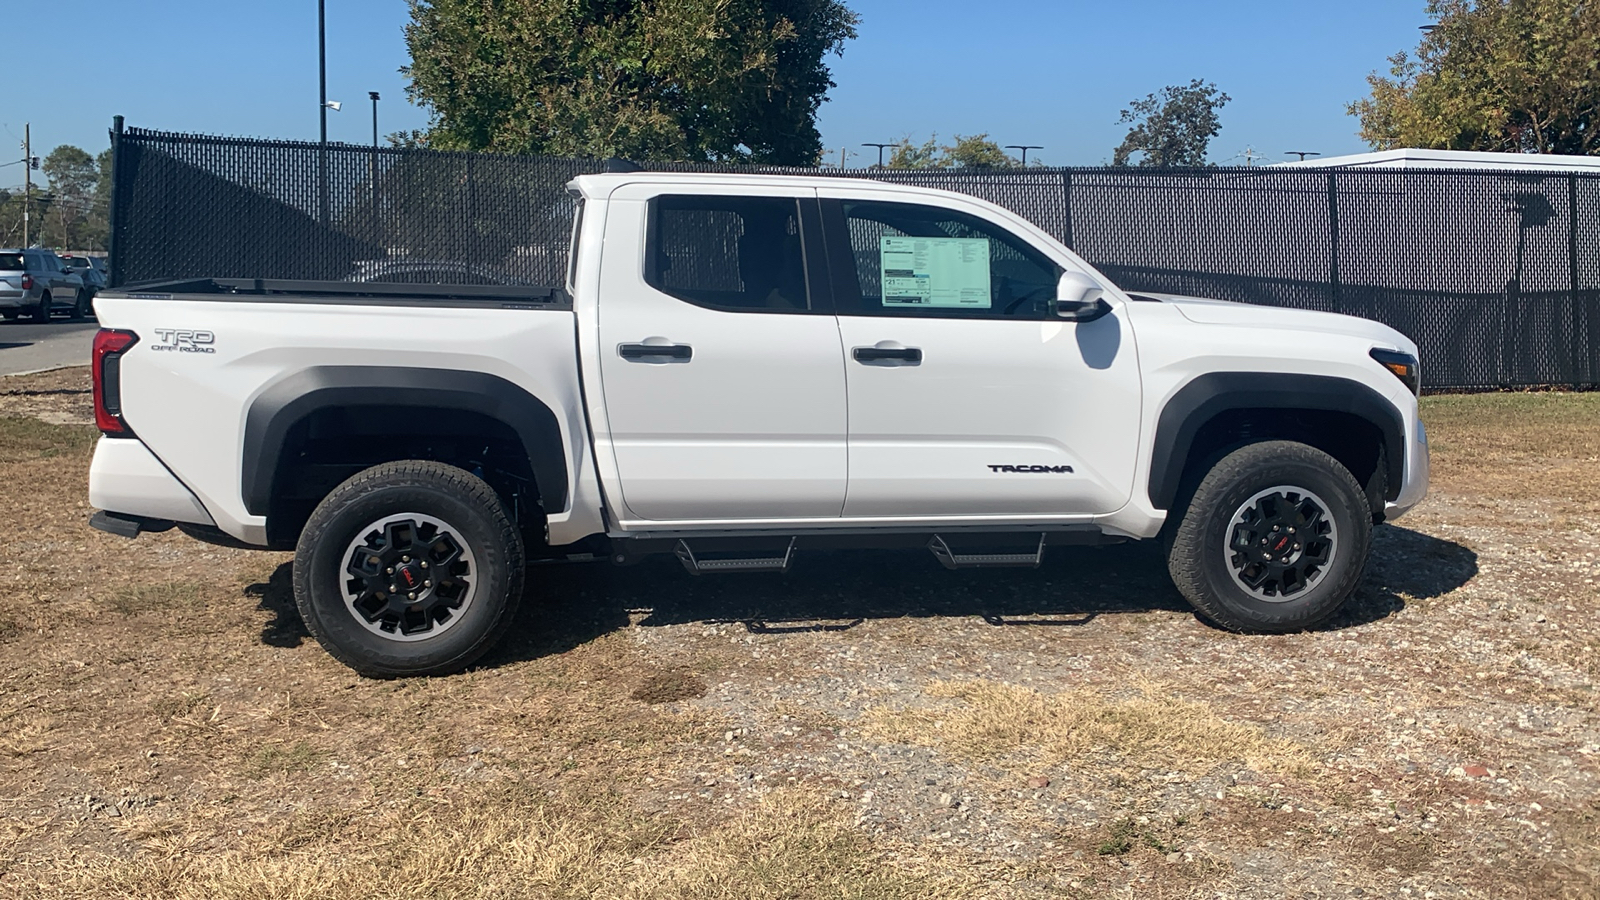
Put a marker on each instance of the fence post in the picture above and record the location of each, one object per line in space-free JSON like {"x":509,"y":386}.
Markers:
{"x":114,"y":261}
{"x":1066,"y":208}
{"x":1333,"y":239}
{"x":1576,"y":349}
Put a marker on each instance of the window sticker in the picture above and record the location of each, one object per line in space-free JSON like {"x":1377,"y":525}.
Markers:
{"x":935,"y":272}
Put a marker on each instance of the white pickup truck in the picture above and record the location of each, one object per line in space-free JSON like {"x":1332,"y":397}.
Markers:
{"x":738,"y":370}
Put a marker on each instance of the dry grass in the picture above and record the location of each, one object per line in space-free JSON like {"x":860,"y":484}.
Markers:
{"x":1149,"y":728}
{"x":1516,"y":446}
{"x":510,"y":842}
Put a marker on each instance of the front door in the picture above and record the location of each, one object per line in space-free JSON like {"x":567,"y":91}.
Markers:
{"x":721,"y":364}
{"x":967,"y":395}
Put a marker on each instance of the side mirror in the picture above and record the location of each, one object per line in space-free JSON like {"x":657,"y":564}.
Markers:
{"x":1080,"y":298}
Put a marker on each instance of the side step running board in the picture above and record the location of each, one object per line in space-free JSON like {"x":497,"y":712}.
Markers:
{"x":951,"y":560}
{"x":709,"y":566}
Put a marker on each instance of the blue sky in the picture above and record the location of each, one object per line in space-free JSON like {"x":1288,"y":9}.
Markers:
{"x":1051,"y":73}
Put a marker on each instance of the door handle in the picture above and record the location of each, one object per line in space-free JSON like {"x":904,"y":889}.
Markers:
{"x":656,"y":353}
{"x":889,"y":355}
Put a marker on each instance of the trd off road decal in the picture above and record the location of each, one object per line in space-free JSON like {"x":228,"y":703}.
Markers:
{"x":172,"y":339}
{"x":1032,"y":470}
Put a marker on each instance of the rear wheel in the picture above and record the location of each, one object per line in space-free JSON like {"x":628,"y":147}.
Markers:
{"x":81,"y":305}
{"x":409,"y":568}
{"x":41,"y":313}
{"x":1275,"y":539}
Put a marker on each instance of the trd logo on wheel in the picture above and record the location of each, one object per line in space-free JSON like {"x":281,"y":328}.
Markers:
{"x":1033,"y":470}
{"x":184,"y":341}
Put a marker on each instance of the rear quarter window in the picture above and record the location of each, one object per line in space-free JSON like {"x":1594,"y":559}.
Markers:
{"x":12,"y":262}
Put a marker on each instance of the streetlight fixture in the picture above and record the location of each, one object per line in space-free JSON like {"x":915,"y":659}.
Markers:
{"x":1301,"y":153}
{"x":1024,"y":148}
{"x":880,"y":150}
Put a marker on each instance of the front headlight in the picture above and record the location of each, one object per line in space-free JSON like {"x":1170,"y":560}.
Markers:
{"x":1404,"y":366}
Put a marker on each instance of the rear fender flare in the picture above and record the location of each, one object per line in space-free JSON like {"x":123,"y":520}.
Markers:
{"x":277,"y":409}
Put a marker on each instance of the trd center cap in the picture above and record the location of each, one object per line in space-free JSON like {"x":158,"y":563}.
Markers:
{"x":410,"y":578}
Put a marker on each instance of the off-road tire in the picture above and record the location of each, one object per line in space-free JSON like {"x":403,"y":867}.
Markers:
{"x":454,"y":496}
{"x":1198,"y":555}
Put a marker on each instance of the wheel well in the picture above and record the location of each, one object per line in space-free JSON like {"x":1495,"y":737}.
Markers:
{"x":1355,"y":442}
{"x":327,"y":446}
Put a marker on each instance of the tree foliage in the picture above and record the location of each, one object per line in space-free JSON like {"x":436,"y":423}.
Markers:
{"x":968,"y":152}
{"x":70,"y":203}
{"x":1505,"y":75}
{"x":717,"y":80}
{"x":1172,"y":127}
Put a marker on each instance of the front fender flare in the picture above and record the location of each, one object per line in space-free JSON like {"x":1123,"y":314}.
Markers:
{"x":1209,"y":395}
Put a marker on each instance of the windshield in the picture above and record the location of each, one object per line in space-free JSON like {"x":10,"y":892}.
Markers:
{"x":11,"y":262}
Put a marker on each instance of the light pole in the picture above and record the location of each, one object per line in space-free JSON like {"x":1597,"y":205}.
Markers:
{"x":374,"y":173}
{"x":322,"y":109}
{"x":1024,"y":148}
{"x":880,"y":151}
{"x":1301,"y":153}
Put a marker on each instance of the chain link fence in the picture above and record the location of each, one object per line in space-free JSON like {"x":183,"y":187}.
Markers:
{"x":1495,"y":275}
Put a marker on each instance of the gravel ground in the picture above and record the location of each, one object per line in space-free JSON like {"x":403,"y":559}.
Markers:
{"x":1068,"y":731}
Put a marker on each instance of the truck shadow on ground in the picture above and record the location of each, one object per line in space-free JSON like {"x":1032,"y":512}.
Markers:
{"x":567,"y":606}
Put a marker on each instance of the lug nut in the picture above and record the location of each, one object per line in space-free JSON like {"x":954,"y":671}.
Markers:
{"x":394,"y":588}
{"x":411,"y":596}
{"x":424,"y":564}
{"x":389,"y":571}
{"x":1297,"y":546}
{"x":1291,"y":531}
{"x":1274,"y":528}
{"x":405,"y":559}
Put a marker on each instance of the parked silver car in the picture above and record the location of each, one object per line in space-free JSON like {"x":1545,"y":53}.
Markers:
{"x":34,"y":283}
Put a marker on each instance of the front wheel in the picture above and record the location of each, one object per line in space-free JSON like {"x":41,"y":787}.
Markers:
{"x":1274,"y":540}
{"x":409,"y":568}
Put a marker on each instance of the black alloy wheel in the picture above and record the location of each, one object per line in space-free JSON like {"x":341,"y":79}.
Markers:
{"x":1274,"y":539}
{"x":409,"y":568}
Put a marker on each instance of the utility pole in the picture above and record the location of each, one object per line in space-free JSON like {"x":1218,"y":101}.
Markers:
{"x":843,"y":152}
{"x":27,"y":178}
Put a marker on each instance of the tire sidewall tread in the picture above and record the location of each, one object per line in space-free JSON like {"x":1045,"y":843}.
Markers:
{"x":1195,"y":558}
{"x":455,"y":496}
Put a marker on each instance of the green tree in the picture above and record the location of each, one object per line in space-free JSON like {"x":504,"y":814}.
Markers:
{"x":977,"y":152}
{"x":72,"y":219}
{"x":1513,"y":76}
{"x":716,"y":80}
{"x":1172,"y":127}
{"x":968,"y":152}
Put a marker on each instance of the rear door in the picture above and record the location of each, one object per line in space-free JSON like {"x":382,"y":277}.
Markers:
{"x":721,"y":364}
{"x":967,"y":395}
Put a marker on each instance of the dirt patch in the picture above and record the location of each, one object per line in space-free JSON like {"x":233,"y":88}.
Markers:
{"x":868,"y":726}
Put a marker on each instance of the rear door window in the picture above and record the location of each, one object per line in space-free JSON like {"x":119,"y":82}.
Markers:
{"x":743,"y":254}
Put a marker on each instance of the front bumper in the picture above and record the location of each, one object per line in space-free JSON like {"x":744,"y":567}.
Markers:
{"x":1417,"y":465}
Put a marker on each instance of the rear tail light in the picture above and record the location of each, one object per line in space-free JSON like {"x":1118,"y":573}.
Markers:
{"x":27,"y":282}
{"x":109,"y":345}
